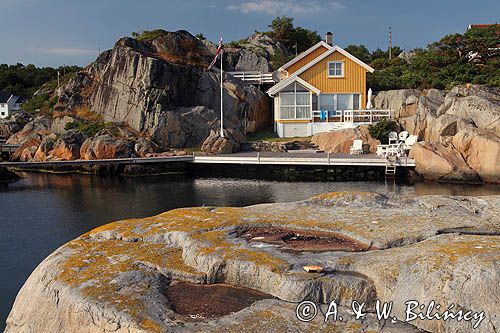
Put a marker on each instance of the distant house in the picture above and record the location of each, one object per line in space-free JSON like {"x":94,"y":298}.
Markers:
{"x":8,"y":104}
{"x":482,"y":26}
{"x":323,"y":89}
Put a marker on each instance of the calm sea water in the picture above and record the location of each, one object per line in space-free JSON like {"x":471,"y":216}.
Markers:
{"x":41,"y":212}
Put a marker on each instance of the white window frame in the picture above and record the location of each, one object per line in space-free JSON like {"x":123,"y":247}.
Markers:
{"x":342,"y":69}
{"x":335,"y":100}
{"x":294,"y":93}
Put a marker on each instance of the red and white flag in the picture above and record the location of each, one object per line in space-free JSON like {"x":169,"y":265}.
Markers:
{"x":216,"y":55}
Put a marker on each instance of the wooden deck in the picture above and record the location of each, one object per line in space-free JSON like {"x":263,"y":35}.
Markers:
{"x":151,"y":160}
{"x":269,"y":158}
{"x":10,"y":149}
{"x":249,"y":158}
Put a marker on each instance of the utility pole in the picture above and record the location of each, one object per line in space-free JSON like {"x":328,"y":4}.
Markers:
{"x":390,"y":43}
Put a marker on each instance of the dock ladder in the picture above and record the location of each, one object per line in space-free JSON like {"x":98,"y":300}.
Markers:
{"x":390,"y":167}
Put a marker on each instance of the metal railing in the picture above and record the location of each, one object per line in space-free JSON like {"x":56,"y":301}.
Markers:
{"x":254,"y":77}
{"x":353,"y":116}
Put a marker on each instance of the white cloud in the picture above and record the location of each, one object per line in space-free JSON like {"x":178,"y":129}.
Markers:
{"x":284,"y":7}
{"x":65,"y":51}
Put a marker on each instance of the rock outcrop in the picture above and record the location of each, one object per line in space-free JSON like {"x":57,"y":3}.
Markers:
{"x":104,"y":146}
{"x":461,"y":128}
{"x":67,"y":146}
{"x":14,"y":124}
{"x":341,"y":141}
{"x":118,"y":277}
{"x":253,"y":54}
{"x":160,"y":86}
{"x":442,"y":163}
{"x":215,"y":144}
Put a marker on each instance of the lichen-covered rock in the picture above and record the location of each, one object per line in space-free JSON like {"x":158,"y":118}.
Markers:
{"x":341,"y":141}
{"x":114,"y":278}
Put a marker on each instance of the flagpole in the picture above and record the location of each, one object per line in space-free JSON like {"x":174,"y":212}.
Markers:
{"x":221,"y":96}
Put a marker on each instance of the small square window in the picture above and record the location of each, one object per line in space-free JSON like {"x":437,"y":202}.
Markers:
{"x":336,"y":69}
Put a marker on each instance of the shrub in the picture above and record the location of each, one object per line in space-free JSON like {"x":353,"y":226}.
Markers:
{"x":381,"y":130}
{"x":40,"y":104}
{"x":90,"y":129}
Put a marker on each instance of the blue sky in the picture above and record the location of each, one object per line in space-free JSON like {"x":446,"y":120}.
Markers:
{"x":55,"y":32}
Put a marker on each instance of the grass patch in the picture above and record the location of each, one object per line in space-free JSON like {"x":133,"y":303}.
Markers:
{"x":192,"y":149}
{"x":149,"y":35}
{"x":90,"y":129}
{"x":271,"y":136}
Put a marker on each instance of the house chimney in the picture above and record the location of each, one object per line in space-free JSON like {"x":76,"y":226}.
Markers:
{"x":329,"y":38}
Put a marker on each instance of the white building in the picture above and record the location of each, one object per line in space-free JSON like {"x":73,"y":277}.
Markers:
{"x":8,"y":104}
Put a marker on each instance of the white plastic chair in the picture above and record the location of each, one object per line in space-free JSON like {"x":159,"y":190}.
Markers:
{"x":403,"y":136}
{"x":381,"y":150}
{"x":410,"y":141}
{"x":393,"y":138}
{"x":357,"y":147}
{"x":395,"y":151}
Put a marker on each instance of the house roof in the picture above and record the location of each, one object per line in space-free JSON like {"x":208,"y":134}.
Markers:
{"x":4,"y":96}
{"x":334,"y":49}
{"x":305,"y":53}
{"x":482,"y":26}
{"x":281,"y":85}
{"x":285,"y":83}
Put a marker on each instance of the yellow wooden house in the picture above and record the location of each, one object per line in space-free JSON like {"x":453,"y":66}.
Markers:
{"x":323,"y":89}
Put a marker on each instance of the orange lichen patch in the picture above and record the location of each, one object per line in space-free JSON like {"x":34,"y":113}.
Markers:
{"x":215,"y":242}
{"x":467,"y":247}
{"x":93,"y":268}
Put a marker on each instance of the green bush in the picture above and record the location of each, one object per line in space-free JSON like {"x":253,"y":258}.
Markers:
{"x":90,"y":129}
{"x":149,"y":35}
{"x":41,"y":103}
{"x":381,"y":130}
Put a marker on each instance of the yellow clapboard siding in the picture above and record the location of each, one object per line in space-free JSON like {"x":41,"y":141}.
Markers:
{"x":307,"y":59}
{"x":354,"y":80}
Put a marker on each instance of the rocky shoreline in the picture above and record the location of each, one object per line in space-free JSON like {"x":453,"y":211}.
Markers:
{"x":123,"y":277}
{"x":152,"y":97}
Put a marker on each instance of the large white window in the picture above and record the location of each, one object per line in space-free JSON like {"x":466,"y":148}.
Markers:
{"x":295,"y":105}
{"x":333,"y":102}
{"x":336,"y":69}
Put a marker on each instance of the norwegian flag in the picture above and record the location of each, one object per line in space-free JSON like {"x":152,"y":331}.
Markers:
{"x":216,"y":55}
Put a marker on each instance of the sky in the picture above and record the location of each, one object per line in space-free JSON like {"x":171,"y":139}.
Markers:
{"x":57,"y":32}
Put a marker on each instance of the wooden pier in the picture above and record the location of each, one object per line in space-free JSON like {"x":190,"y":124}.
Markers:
{"x":247,"y":158}
{"x":313,"y":159}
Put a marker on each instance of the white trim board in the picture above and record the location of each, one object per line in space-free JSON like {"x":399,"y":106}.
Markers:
{"x":295,"y":75}
{"x":304,"y":54}
{"x":283,"y":84}
{"x":328,"y":53}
